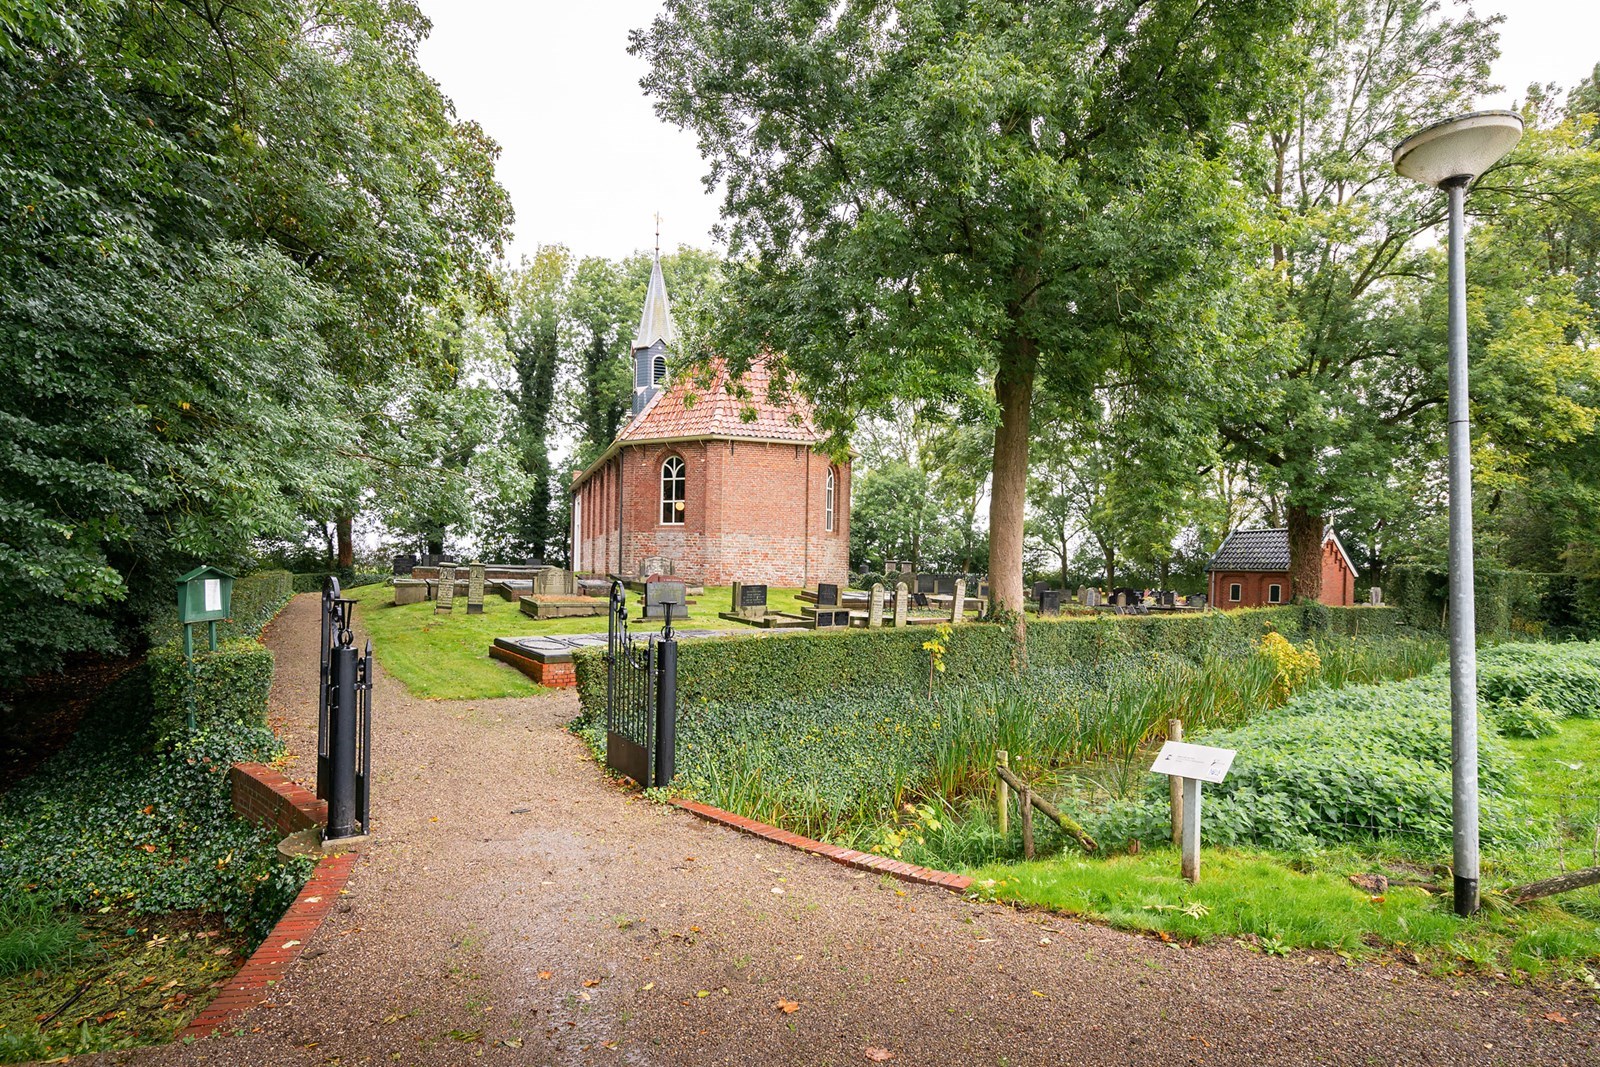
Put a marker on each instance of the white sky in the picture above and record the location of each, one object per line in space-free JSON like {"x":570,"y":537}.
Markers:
{"x":588,"y":163}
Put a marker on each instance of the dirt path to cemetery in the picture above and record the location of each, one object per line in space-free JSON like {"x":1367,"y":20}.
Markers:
{"x":517,"y":908}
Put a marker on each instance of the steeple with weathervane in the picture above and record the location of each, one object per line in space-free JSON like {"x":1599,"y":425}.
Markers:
{"x":655,"y":335}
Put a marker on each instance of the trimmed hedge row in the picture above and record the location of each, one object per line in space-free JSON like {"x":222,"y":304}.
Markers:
{"x":311,"y":581}
{"x":227,"y":689}
{"x":1507,"y":603}
{"x":256,"y":599}
{"x":749,"y":669}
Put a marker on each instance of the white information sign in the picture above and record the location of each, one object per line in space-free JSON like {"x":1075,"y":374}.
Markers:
{"x":1200,"y":762}
{"x":213,"y":594}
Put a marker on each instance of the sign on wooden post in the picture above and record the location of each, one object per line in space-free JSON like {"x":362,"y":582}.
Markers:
{"x":1194,"y":764}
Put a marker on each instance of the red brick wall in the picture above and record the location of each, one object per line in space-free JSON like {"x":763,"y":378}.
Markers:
{"x":263,"y":796}
{"x":1338,"y":581}
{"x":1338,"y":584}
{"x":753,"y":512}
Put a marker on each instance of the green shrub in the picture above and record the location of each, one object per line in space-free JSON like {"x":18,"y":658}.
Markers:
{"x":1527,"y":718}
{"x":225,"y":688}
{"x":1565,"y":678}
{"x":256,"y":599}
{"x":110,"y":821}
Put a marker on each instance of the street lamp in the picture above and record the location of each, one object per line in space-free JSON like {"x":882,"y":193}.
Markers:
{"x":1450,"y":154}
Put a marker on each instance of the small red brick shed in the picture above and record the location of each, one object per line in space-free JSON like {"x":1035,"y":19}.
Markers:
{"x":1251,"y":570}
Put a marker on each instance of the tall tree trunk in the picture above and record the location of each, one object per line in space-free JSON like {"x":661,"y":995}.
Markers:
{"x":347,"y":549}
{"x":1110,"y":553}
{"x":327,"y":536}
{"x":1305,"y":552}
{"x":1013,"y":389}
{"x":1064,"y":560}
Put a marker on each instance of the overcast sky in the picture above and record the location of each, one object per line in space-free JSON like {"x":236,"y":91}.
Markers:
{"x":588,"y":163}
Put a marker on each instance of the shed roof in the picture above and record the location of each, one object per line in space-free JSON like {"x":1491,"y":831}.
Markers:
{"x":1264,"y":551}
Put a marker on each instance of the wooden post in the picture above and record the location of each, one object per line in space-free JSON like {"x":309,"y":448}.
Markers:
{"x":1003,"y":792}
{"x":1191,"y":829}
{"x":1027,"y":824}
{"x":1175,"y":784}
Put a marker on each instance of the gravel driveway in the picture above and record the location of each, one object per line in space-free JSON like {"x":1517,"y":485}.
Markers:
{"x":516,"y":907}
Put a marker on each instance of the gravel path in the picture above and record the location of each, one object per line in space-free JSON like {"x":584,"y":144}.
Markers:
{"x":597,"y":927}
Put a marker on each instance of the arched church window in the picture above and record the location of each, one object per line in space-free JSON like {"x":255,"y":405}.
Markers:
{"x":672,"y":491}
{"x":827,"y":503}
{"x":660,"y":369}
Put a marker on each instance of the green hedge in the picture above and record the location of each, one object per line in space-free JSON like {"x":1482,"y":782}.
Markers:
{"x":804,"y":663}
{"x":228,"y":688}
{"x":311,"y":582}
{"x":1506,"y":603}
{"x":256,"y":599}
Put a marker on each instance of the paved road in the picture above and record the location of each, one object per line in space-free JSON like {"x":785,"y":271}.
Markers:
{"x":599,"y":928}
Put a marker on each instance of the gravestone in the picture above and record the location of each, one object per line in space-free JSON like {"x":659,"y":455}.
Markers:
{"x":958,"y":602}
{"x":830,"y":618}
{"x":651,"y":566}
{"x":944,"y":584}
{"x":1050,"y":602}
{"x":533,"y":561}
{"x":926,"y":583}
{"x":1094,"y":597}
{"x":875,"y":606}
{"x":475,"y":588}
{"x":446,"y":599}
{"x":658,"y":595}
{"x":1083,"y":595}
{"x":827,"y":595}
{"x":1375,"y":596}
{"x":1039,"y":588}
{"x":404,"y":565}
{"x":902,"y":609}
{"x":749,"y":600}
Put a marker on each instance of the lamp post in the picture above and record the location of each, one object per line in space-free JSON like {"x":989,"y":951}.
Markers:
{"x":1450,"y":155}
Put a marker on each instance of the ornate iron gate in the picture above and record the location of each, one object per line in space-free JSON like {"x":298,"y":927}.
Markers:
{"x":344,"y":720}
{"x":641,"y":697}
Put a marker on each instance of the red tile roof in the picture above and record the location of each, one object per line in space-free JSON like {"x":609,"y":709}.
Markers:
{"x":689,"y":406}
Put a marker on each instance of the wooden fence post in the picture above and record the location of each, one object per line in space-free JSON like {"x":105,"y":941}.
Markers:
{"x":1175,"y":784}
{"x":1027,"y":824}
{"x":1004,"y":794}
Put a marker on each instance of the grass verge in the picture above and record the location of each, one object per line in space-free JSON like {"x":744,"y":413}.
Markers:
{"x":446,"y":657}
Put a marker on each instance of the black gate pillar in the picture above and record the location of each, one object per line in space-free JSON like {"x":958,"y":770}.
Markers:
{"x":666,"y":707}
{"x":342,"y":746}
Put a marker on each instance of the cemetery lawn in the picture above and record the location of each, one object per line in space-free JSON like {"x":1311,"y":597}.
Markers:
{"x":446,"y":657}
{"x":1274,"y":902}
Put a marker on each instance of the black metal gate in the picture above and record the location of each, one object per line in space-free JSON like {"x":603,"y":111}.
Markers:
{"x":344,"y":720}
{"x":641,"y":697}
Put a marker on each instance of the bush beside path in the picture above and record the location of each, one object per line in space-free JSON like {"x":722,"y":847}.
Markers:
{"x":516,"y":907}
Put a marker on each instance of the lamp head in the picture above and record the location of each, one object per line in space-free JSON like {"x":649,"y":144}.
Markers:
{"x":1458,"y":148}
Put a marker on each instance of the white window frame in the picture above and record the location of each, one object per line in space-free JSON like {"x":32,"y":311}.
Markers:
{"x":827,"y":503}
{"x":674,"y":490}
{"x":1235,"y":592}
{"x":1274,"y":594}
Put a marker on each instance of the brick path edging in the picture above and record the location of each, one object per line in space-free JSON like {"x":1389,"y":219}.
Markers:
{"x":270,"y":962}
{"x":849,"y":857}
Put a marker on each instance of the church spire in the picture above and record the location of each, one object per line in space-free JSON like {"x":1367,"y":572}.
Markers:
{"x":655,"y":320}
{"x":655,"y":335}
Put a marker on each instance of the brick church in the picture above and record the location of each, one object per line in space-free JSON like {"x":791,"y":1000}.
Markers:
{"x":694,"y":481}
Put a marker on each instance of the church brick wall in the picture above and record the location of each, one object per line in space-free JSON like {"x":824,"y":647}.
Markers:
{"x":754,"y":512}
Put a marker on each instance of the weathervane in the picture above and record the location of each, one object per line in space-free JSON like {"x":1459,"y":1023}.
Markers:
{"x":658,"y":235}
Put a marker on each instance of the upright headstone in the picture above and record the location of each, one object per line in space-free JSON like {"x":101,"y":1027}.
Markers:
{"x":958,"y":602}
{"x":827,"y":595}
{"x":475,"y":588}
{"x":1039,"y":588}
{"x":944,"y":584}
{"x":533,"y":561}
{"x":659,"y":596}
{"x":1094,"y":597}
{"x":901,"y":606}
{"x":1083,"y":595}
{"x":446,"y":601}
{"x":875,"y":606}
{"x":927,"y":583}
{"x":1375,"y":596}
{"x":1050,"y":602}
{"x":404,"y":565}
{"x":749,"y":600}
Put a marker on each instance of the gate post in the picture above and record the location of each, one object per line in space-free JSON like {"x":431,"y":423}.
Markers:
{"x":342,"y":745}
{"x":666,"y":708}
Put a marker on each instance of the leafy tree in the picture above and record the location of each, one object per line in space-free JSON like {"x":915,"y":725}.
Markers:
{"x":962,"y":200}
{"x":599,"y":303}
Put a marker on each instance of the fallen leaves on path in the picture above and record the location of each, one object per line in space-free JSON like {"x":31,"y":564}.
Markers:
{"x":788,"y":1007}
{"x":545,"y":976}
{"x":1555,"y":1017}
{"x":879,"y":1055}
